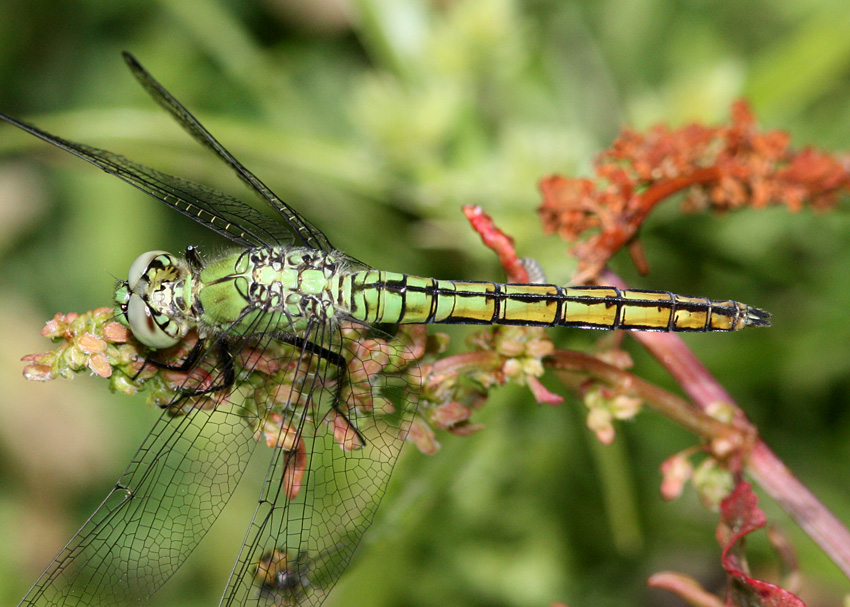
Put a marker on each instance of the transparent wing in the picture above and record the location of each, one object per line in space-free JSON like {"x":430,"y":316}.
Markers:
{"x":173,"y":490}
{"x":224,"y":214}
{"x":329,"y":472}
{"x":299,"y":230}
{"x":153,"y":518}
{"x":333,"y":406}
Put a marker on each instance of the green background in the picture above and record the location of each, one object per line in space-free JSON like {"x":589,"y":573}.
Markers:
{"x":377,"y":123}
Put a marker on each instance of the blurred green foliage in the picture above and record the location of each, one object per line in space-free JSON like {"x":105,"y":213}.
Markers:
{"x":377,"y":122}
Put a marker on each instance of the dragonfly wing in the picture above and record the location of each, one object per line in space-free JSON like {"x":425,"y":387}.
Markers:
{"x":320,"y":494}
{"x":164,"y":503}
{"x":293,"y":228}
{"x":224,"y":214}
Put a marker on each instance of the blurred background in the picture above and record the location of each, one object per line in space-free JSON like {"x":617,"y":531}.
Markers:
{"x":378,"y":119}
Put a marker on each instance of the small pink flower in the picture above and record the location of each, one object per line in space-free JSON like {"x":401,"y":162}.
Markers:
{"x":91,"y":344}
{"x":38,"y":372}
{"x":99,"y":364}
{"x":676,"y":471}
{"x":116,"y":332}
{"x":423,"y":437}
{"x":449,"y":414}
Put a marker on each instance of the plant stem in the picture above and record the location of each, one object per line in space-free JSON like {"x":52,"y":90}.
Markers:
{"x":760,"y":462}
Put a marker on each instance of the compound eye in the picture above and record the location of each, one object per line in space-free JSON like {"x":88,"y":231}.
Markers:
{"x":144,"y":327}
{"x":140,"y":267}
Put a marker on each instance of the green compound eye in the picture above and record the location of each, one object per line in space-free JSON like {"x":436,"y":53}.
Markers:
{"x":139,"y":267}
{"x":141,"y":318}
{"x":144,"y":326}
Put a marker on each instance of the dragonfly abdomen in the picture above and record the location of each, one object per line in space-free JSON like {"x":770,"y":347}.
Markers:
{"x":375,"y":296}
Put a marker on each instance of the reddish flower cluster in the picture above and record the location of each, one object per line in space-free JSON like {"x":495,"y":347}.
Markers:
{"x":722,"y":168}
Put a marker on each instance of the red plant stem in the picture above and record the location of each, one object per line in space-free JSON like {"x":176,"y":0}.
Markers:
{"x":813,"y":517}
{"x":498,"y":241}
{"x":464,"y":362}
{"x":689,"y":372}
{"x":761,"y":463}
{"x":670,"y":405}
{"x":612,"y":240}
{"x":662,"y":189}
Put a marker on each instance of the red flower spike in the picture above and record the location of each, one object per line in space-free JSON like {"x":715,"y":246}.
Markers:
{"x":724,"y":168}
{"x":740,"y":516}
{"x":423,"y":437}
{"x":498,"y":241}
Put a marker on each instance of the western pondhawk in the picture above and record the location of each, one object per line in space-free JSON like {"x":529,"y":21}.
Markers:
{"x":336,"y":402}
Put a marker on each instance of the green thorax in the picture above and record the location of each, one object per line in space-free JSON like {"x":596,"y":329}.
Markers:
{"x":296,"y":286}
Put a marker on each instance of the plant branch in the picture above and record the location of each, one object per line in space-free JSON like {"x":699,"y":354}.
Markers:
{"x":760,"y":462}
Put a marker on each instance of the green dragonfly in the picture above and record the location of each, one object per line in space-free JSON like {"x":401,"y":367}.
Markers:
{"x":335,"y":403}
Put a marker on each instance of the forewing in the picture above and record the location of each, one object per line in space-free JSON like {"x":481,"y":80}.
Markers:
{"x":293,"y":227}
{"x":224,"y":214}
{"x":322,"y":490}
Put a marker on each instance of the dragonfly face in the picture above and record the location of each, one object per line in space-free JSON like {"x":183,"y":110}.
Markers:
{"x":155,"y":299}
{"x":285,"y":357}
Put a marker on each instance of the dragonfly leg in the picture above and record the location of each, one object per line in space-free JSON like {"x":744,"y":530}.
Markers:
{"x":228,"y":373}
{"x":226,"y":361}
{"x":187,"y":363}
{"x":333,"y":358}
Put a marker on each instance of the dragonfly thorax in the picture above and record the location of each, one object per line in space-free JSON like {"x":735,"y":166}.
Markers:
{"x":156,"y":299}
{"x":290,"y":287}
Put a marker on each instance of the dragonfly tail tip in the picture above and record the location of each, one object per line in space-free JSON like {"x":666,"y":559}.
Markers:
{"x":757,"y":318}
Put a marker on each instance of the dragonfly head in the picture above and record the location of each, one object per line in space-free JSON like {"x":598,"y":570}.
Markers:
{"x":147,"y":299}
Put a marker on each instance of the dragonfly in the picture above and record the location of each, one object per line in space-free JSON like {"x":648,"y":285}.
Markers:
{"x":336,"y":403}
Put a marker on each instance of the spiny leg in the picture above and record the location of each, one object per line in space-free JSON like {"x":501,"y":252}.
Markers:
{"x":228,"y":372}
{"x":333,"y":358}
{"x":188,"y":363}
{"x":184,"y":366}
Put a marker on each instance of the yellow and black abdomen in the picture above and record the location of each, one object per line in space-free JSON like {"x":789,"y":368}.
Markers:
{"x":376,"y":296}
